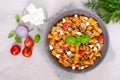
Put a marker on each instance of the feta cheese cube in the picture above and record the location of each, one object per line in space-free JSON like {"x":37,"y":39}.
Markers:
{"x":63,"y":20}
{"x":78,"y":33}
{"x":95,"y":49}
{"x":31,"y":8}
{"x":40,"y":13}
{"x":57,"y":55}
{"x":86,"y":18}
{"x":75,"y":15}
{"x":69,"y":52}
{"x":98,"y":45}
{"x":38,"y":22}
{"x":26,"y":18}
{"x":50,"y":47}
{"x":87,"y":23}
{"x":91,"y":46}
{"x":61,"y":32}
{"x":73,"y":67}
{"x":82,"y":67}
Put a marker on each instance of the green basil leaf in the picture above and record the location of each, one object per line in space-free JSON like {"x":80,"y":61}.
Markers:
{"x":70,"y":40}
{"x":79,"y":38}
{"x":78,"y":43}
{"x":85,"y":39}
{"x":18,"y":39}
{"x":17,"y":18}
{"x":37,"y":38}
{"x":11,"y":34}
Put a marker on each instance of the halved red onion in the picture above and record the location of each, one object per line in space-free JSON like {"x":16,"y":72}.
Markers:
{"x":22,"y":31}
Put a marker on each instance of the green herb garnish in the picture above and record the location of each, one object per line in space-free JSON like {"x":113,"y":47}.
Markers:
{"x":37,"y":38}
{"x":11,"y":34}
{"x":17,"y":18}
{"x":78,"y":43}
{"x":85,"y":39}
{"x":70,"y":40}
{"x":18,"y":39}
{"x":77,"y":40}
{"x":106,"y":9}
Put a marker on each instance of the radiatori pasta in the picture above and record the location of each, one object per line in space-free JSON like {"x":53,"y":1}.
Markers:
{"x":76,"y":55}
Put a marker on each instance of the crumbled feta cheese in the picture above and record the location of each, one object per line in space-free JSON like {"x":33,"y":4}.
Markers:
{"x":78,"y":33}
{"x":91,"y":46}
{"x":57,"y":55}
{"x":75,"y":15}
{"x":86,"y":18}
{"x":95,"y":49}
{"x":98,"y":45}
{"x":68,"y":52}
{"x":73,"y":67}
{"x":82,"y":67}
{"x":50,"y":47}
{"x":61,"y":32}
{"x":63,"y":20}
{"x":87,"y":23}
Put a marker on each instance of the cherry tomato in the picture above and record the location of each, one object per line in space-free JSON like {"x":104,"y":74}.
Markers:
{"x":27,"y":52}
{"x":82,"y":52}
{"x":65,"y":26}
{"x":29,"y":42}
{"x":15,"y":50}
{"x":100,"y":39}
{"x":64,"y":47}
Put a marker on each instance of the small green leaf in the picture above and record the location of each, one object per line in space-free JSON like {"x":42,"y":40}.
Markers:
{"x":78,"y":43}
{"x":37,"y":38}
{"x":17,"y":18}
{"x":18,"y":39}
{"x":11,"y":34}
{"x":70,"y":40}
{"x":85,"y":39}
{"x":79,"y":38}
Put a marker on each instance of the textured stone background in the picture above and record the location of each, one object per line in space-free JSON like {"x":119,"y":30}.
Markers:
{"x":38,"y":67}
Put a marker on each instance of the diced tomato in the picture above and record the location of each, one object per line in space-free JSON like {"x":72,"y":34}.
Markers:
{"x":63,"y":56}
{"x":82,"y":52}
{"x":65,"y":26}
{"x":100,"y":39}
{"x":64,"y":47}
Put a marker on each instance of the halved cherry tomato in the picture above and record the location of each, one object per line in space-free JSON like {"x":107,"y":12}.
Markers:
{"x":27,"y":52}
{"x":15,"y":50}
{"x":82,"y":52}
{"x":63,"y":56}
{"x":65,"y":26}
{"x":29,"y":42}
{"x":100,"y":39}
{"x":64,"y":47}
